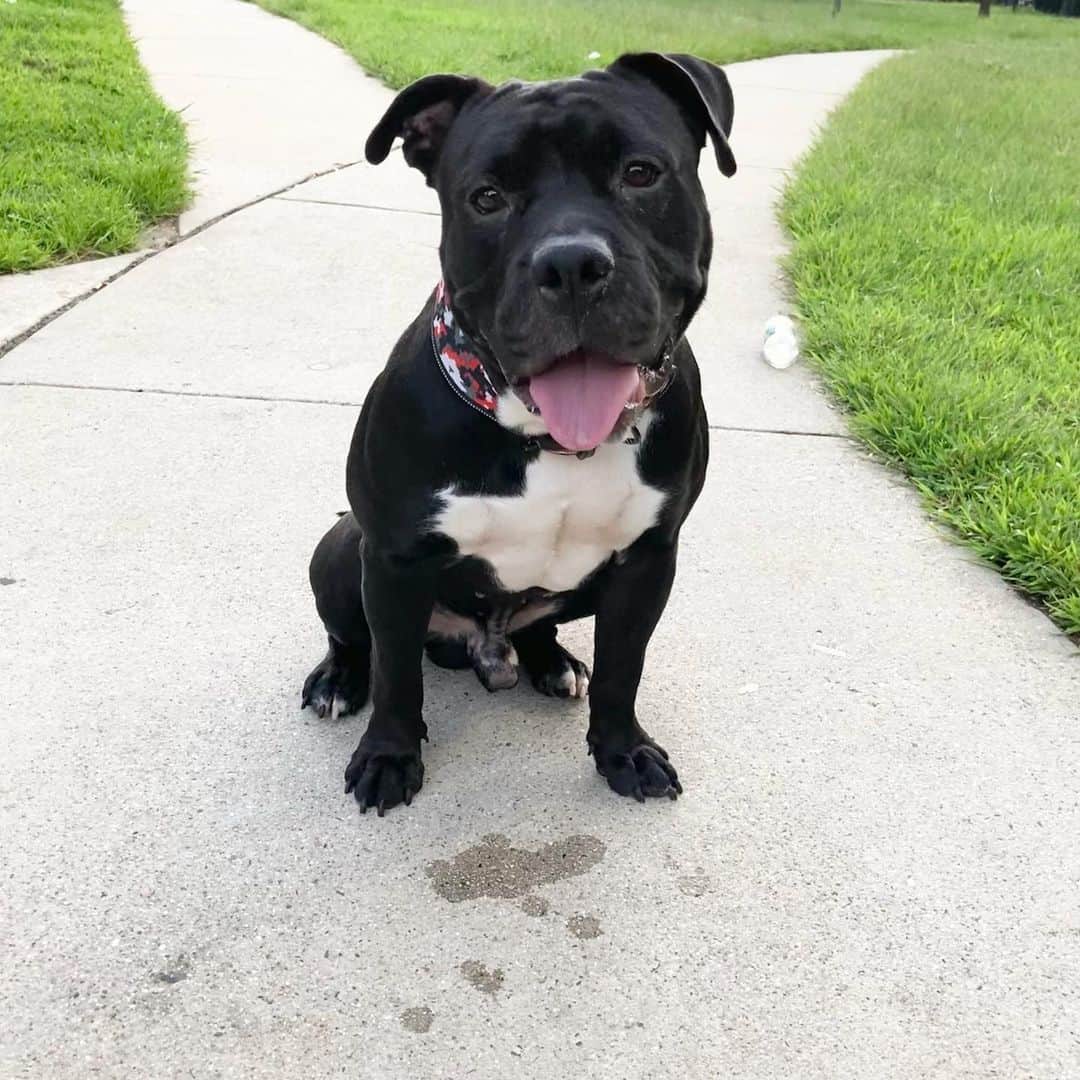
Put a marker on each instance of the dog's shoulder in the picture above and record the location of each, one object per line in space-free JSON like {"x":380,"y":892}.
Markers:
{"x":415,"y":437}
{"x":677,"y":451}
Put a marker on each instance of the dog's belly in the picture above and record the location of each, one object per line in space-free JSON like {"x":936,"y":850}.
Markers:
{"x":571,"y":517}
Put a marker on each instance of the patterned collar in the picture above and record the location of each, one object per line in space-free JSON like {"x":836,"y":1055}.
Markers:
{"x":460,"y":361}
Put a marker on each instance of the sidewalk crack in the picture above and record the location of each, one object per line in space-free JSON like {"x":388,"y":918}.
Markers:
{"x":360,"y":206}
{"x":30,"y":331}
{"x":349,"y":404}
{"x":40,"y":385}
{"x":780,"y":431}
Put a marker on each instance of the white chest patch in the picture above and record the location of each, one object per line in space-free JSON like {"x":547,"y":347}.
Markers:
{"x":571,"y":516}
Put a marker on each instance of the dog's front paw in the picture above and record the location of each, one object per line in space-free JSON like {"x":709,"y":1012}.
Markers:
{"x":383,"y":777}
{"x":641,"y":769}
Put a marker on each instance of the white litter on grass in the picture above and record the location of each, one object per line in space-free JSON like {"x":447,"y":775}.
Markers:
{"x":780,"y":347}
{"x":591,"y":56}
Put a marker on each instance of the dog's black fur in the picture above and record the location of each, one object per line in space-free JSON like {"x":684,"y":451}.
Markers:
{"x":550,"y":161}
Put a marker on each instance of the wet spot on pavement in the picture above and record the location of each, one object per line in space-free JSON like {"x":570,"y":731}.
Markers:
{"x":535,"y":906}
{"x":418,"y":1019}
{"x":584,"y":926}
{"x":493,"y":868}
{"x":485,"y":980}
{"x":695,"y":884}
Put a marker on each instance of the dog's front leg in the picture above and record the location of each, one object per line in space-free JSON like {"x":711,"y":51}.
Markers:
{"x":627,"y":611}
{"x":398,"y":599}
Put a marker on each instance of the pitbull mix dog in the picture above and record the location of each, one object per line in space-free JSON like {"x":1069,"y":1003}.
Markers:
{"x":537,"y":438}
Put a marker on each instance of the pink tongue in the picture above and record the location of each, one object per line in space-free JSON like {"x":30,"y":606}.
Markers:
{"x":581,"y":397}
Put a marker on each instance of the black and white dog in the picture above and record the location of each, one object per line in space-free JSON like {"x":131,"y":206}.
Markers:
{"x":532,"y":448}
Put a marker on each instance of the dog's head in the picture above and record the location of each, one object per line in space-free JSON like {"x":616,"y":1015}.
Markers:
{"x":575,"y":234}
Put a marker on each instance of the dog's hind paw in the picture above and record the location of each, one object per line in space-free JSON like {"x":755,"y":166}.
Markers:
{"x":567,"y":677}
{"x":339,"y":684}
{"x":496,"y":665}
{"x":553,"y":670}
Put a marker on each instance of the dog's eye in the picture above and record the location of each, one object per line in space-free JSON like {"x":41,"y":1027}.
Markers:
{"x":487,"y":200}
{"x":641,"y":174}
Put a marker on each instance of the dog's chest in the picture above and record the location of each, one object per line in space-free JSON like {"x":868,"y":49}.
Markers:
{"x":571,"y":516}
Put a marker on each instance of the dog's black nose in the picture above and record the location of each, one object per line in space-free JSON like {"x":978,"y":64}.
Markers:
{"x":572,"y":269}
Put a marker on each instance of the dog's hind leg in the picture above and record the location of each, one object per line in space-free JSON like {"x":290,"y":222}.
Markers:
{"x":493,"y":656}
{"x":339,"y":684}
{"x":552,"y":669}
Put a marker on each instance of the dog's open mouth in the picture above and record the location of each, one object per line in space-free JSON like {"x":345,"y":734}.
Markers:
{"x":582,"y":397}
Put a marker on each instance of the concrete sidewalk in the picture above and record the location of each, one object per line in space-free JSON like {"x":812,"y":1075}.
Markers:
{"x":266,"y":104}
{"x":874,"y":869}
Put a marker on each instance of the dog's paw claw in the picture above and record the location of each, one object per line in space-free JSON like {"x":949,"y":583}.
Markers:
{"x":642,"y":772}
{"x":382,"y":779}
{"x":566,"y":677}
{"x":337,"y":687}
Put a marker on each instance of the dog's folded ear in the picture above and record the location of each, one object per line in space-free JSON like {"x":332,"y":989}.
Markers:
{"x":422,"y":115}
{"x":701,"y":89}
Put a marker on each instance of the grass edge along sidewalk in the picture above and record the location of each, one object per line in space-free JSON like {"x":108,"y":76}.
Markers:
{"x":934,"y":265}
{"x":89,"y":156}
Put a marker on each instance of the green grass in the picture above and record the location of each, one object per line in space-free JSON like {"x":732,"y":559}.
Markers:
{"x":937,"y":270}
{"x":88,"y":155}
{"x":401,"y":40}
